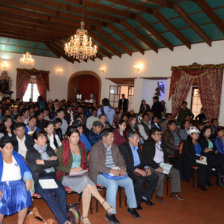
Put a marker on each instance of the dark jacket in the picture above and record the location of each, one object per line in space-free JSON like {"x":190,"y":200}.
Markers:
{"x":188,"y":159}
{"x":41,"y":124}
{"x":204,"y":144}
{"x":28,"y":142}
{"x":126,"y":152}
{"x":93,"y":137}
{"x":143,"y":109}
{"x":148,"y":154}
{"x":59,"y":133}
{"x":118,"y":138}
{"x":68,"y":117}
{"x":219,"y":145}
{"x":157,"y":109}
{"x":168,"y":141}
{"x":38,"y":170}
{"x":123,"y":105}
{"x":182,"y":114}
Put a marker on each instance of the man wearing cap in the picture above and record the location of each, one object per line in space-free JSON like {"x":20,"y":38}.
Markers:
{"x":94,"y":134}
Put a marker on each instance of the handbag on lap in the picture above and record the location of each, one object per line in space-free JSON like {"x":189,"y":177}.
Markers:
{"x":73,"y":213}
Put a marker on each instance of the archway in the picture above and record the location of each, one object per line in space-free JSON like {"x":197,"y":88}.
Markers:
{"x":86,"y":82}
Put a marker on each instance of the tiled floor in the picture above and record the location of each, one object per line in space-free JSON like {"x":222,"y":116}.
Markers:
{"x":198,"y":208}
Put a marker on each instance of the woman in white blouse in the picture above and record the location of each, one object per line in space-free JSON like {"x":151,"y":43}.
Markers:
{"x":14,"y":194}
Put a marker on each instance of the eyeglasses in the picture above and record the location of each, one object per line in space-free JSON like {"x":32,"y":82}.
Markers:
{"x":158,"y":134}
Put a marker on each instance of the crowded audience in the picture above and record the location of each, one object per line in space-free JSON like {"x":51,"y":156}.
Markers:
{"x":53,"y":140}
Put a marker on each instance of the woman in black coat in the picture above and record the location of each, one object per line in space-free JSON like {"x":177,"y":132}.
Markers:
{"x":209,"y":150}
{"x":192,"y":151}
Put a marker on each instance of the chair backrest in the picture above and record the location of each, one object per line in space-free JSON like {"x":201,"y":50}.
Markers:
{"x":180,"y":147}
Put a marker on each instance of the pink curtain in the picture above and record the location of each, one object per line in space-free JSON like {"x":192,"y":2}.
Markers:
{"x":182,"y":88}
{"x":210,"y":86}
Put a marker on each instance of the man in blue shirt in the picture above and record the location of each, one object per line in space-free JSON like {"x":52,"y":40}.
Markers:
{"x":137,"y":172}
{"x":94,"y":135}
{"x":107,"y":110}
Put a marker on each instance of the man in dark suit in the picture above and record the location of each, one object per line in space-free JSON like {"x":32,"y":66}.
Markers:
{"x":123,"y":103}
{"x":139,"y":173}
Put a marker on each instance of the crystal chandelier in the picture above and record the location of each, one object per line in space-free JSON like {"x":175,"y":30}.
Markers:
{"x":80,"y":45}
{"x":27,"y":59}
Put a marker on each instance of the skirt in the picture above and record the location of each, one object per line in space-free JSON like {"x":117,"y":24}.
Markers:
{"x":15,"y":197}
{"x":77,"y":184}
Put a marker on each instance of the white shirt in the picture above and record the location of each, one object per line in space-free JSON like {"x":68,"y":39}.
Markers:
{"x":25,"y":121}
{"x":90,"y":120}
{"x":11,"y":171}
{"x":22,"y":149}
{"x":71,"y":117}
{"x":159,"y":155}
{"x":51,"y":140}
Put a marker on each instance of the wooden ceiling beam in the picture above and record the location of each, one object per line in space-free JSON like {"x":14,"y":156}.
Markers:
{"x":164,"y":3}
{"x":140,"y":36}
{"x":105,"y":44}
{"x":126,"y":39}
{"x":211,"y":14}
{"x":172,"y":28}
{"x":192,"y":24}
{"x":113,"y":40}
{"x":154,"y":32}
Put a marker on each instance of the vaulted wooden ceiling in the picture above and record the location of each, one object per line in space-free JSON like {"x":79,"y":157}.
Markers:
{"x":116,"y":26}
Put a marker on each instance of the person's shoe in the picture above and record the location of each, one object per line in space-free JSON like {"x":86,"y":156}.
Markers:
{"x":177,"y":196}
{"x":204,"y":189}
{"x":133,"y":212}
{"x":139,"y":207}
{"x":160,"y":200}
{"x":112,"y":218}
{"x":148,"y":202}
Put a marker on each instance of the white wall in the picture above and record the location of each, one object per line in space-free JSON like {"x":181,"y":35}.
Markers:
{"x":155,"y":65}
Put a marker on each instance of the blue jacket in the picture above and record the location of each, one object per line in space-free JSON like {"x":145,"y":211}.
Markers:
{"x":109,"y":112}
{"x":219,"y":145}
{"x":93,"y":138}
{"x":85,"y":141}
{"x":25,"y":171}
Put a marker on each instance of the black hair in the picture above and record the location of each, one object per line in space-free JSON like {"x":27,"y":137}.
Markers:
{"x":168,"y":114}
{"x":71,"y":130}
{"x":6,"y":118}
{"x":57,"y":120}
{"x":102,"y":115}
{"x":121,"y":122}
{"x":214,"y":119}
{"x":184,"y":102}
{"x":218,"y":129}
{"x":59,"y":110}
{"x":25,"y":109}
{"x":106,"y":102}
{"x":204,"y":129}
{"x":183,"y":123}
{"x":16,"y":116}
{"x":94,"y":109}
{"x":48,"y":123}
{"x":5,"y":140}
{"x":131,"y":134}
{"x":38,"y":133}
{"x":31,"y":117}
{"x":145,"y":114}
{"x":106,"y":132}
{"x":37,"y":113}
{"x":18,"y":125}
{"x":154,"y":130}
{"x":156,"y":98}
{"x":77,"y":124}
{"x":171,"y":122}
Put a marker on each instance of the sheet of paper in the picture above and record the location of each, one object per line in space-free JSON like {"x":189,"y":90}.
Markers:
{"x":83,"y":172}
{"x":203,"y":161}
{"x":48,"y":183}
{"x":166,"y":167}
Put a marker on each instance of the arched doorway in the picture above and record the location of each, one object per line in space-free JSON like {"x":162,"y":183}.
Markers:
{"x":86,"y":82}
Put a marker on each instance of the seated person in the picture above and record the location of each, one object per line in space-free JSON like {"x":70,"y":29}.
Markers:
{"x":168,"y":117}
{"x":21,"y":142}
{"x":72,"y":159}
{"x":137,"y":172}
{"x":7,"y":126}
{"x":18,"y":118}
{"x":192,"y":151}
{"x":103,"y":120}
{"x":31,"y":126}
{"x":120,"y":135}
{"x":154,"y":153}
{"x":132,"y":124}
{"x":43,"y":161}
{"x":40,"y":119}
{"x":171,"y":138}
{"x":94,"y":135}
{"x":214,"y":124}
{"x":144,"y":127}
{"x":25,"y":115}
{"x":107,"y":168}
{"x":57,"y":124}
{"x":52,"y":138}
{"x":91,"y":119}
{"x":208,"y":150}
{"x":219,"y":140}
{"x":64,"y":125}
{"x":14,"y":193}
{"x":155,"y":123}
{"x":83,"y":137}
{"x":184,"y":129}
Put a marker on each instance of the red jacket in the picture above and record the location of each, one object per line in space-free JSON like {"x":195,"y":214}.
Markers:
{"x":118,"y":138}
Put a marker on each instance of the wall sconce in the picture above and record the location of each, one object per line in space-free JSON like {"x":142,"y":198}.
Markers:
{"x":139,"y":67}
{"x":5,"y":65}
{"x":103,"y":69}
{"x":59,"y":70}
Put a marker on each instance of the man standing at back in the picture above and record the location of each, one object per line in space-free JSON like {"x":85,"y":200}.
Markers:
{"x":123,"y":103}
{"x":157,"y":107}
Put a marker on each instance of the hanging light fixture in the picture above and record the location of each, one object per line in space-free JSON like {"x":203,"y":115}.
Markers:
{"x":80,"y":45}
{"x":27,"y":60}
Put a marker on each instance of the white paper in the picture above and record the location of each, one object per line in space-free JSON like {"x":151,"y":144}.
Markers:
{"x":48,"y":183}
{"x":203,"y":161}
{"x":166,"y":167}
{"x":83,"y":172}
{"x":114,"y":168}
